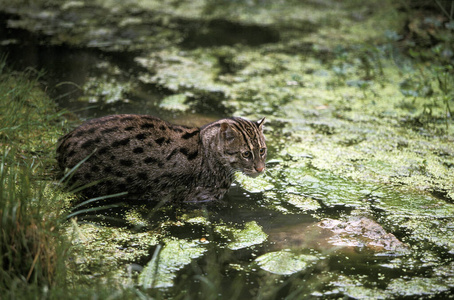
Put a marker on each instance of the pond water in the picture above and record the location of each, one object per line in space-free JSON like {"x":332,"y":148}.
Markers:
{"x":72,"y":76}
{"x":328,"y":220}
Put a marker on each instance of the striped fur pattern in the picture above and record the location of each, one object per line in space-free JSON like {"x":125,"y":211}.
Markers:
{"x":152,"y":159}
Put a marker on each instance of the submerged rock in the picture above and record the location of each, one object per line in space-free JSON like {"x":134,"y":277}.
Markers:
{"x":362,"y":232}
{"x":351,"y":235}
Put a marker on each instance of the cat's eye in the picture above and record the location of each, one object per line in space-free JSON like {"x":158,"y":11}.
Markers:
{"x":247,"y":154}
{"x":262,"y":151}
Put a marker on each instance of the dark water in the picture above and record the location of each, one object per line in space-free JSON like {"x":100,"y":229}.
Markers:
{"x":65,"y":70}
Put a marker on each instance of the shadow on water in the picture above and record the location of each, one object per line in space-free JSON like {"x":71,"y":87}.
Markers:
{"x":219,"y":32}
{"x":238,"y":207}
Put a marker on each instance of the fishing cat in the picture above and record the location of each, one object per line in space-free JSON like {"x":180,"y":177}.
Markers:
{"x":152,"y":159}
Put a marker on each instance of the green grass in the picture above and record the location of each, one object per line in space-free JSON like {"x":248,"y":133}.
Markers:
{"x":33,"y":252}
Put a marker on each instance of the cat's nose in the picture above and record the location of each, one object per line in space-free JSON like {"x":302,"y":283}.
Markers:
{"x":259,"y":169}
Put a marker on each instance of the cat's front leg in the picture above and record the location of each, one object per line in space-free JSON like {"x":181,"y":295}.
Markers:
{"x":206,"y":194}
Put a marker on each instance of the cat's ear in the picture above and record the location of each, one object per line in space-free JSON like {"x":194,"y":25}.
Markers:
{"x":227,"y":132}
{"x":260,"y":123}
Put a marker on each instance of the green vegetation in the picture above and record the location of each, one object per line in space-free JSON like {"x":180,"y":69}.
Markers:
{"x":32,"y":250}
{"x":358,"y":99}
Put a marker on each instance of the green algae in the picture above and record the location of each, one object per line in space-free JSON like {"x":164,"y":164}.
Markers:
{"x":419,"y":227}
{"x":251,"y":235}
{"x":180,"y":71}
{"x":302,"y":202}
{"x":363,"y":141}
{"x":175,"y":103}
{"x":104,"y":248}
{"x":160,"y":271}
{"x":417,"y":286}
{"x":105,"y":90}
{"x":354,"y":286}
{"x":253,"y":185}
{"x":285,"y":262}
{"x":352,"y":123}
{"x":135,"y":218}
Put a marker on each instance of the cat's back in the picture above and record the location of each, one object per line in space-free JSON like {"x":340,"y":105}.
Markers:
{"x":118,"y":133}
{"x":128,"y":149}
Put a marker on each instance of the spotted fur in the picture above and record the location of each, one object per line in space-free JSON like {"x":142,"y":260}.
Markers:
{"x":152,"y":159}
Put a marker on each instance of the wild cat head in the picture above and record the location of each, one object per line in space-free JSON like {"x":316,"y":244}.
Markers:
{"x":241,"y":144}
